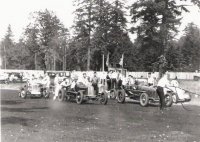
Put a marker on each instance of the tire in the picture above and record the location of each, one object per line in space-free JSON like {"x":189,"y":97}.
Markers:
{"x":144,"y":99}
{"x":79,"y":97}
{"x":23,"y":94}
{"x":104,"y":98}
{"x":46,"y":93}
{"x":113,"y":94}
{"x":61,"y":95}
{"x":168,"y":100}
{"x":121,"y":96}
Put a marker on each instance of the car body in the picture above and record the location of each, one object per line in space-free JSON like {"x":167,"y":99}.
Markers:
{"x":144,"y":94}
{"x":83,"y":93}
{"x":35,"y":89}
{"x":4,"y":78}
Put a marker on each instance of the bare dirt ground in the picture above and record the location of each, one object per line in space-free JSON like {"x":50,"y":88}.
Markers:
{"x":43,"y":120}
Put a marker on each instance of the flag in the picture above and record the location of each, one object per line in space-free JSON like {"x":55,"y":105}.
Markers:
{"x":107,"y":60}
{"x":121,"y":60}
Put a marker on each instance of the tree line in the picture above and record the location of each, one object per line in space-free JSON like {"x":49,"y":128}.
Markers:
{"x":102,"y":29}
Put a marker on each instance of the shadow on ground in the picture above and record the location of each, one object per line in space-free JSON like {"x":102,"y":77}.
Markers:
{"x":22,"y":109}
{"x":16,"y":120}
{"x":11,"y":102}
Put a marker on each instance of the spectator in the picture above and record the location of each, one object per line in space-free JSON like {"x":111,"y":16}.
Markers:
{"x":114,"y":79}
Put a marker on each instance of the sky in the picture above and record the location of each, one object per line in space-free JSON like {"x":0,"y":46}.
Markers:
{"x":17,"y":14}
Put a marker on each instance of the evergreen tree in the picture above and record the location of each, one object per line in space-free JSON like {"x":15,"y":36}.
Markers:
{"x":84,"y":25}
{"x":191,"y":48}
{"x":50,"y":33}
{"x":155,"y":22}
{"x":7,"y":48}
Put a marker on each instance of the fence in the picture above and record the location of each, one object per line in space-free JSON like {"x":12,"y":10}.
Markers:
{"x":172,"y":75}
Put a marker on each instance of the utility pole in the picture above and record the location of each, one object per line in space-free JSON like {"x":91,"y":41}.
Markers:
{"x":35,"y":61}
{"x":54,"y":61}
{"x":103,"y":63}
{"x":5,"y":61}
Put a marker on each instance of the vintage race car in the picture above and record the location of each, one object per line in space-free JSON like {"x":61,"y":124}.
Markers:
{"x":143,"y":94}
{"x":179,"y":95}
{"x":4,"y":78}
{"x":35,"y":89}
{"x":82,"y":93}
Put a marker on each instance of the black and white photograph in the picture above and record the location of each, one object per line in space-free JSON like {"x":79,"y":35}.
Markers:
{"x":100,"y":70}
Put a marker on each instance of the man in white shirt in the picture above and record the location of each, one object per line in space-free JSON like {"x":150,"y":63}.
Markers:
{"x":114,"y":79}
{"x":83,"y":79}
{"x":150,"y":79}
{"x":163,"y":82}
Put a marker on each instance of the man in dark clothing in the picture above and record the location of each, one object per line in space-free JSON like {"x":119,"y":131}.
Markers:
{"x":95,"y":81}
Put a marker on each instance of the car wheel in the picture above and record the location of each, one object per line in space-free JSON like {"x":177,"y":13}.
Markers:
{"x":23,"y":94}
{"x":79,"y":97}
{"x":168,"y":100}
{"x":112,"y":94}
{"x":104,"y":98}
{"x":121,"y":96}
{"x":61,"y":95}
{"x":144,"y":99}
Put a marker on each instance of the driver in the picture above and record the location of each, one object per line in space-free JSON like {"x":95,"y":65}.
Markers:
{"x":83,"y":79}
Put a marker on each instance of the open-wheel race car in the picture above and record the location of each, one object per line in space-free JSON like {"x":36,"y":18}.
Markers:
{"x":143,"y":94}
{"x":35,"y":90}
{"x":82,"y":93}
{"x":179,"y":95}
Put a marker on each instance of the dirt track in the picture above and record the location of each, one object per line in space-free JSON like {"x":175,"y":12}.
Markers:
{"x":44,"y":120}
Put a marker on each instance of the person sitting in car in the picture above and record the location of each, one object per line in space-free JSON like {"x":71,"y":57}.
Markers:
{"x":132,"y":82}
{"x":83,"y":79}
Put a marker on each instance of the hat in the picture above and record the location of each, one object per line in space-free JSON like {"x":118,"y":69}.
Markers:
{"x":75,"y":77}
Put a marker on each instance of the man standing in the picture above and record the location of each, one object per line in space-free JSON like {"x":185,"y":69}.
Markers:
{"x":95,"y":81}
{"x":114,"y":79}
{"x":163,"y":82}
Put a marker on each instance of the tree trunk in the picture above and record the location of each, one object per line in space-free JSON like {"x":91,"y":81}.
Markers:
{"x":89,"y":31}
{"x":64,"y":60}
